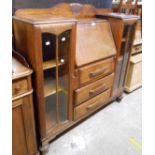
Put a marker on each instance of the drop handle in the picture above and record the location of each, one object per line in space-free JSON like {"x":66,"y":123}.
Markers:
{"x":94,"y":105}
{"x":98,"y":72}
{"x":137,"y":48}
{"x":98,"y":90}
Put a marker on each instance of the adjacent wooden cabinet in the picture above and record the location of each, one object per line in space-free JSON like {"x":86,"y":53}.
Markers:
{"x":134,"y":73}
{"x":74,"y":58}
{"x":24,"y":140}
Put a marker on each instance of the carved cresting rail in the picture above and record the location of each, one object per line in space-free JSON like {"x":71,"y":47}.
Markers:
{"x":72,"y":10}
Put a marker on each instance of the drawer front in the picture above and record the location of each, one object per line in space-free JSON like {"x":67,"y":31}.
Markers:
{"x":19,"y":87}
{"x":91,"y":104}
{"x":91,"y":90}
{"x":96,"y":70}
{"x":136,"y":49}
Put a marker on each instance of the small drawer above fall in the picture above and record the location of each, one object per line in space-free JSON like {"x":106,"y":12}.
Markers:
{"x":84,"y":93}
{"x":96,"y":70}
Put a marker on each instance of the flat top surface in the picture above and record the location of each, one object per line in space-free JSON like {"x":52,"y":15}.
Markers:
{"x":19,"y":70}
{"x":88,"y":20}
{"x":43,"y":19}
{"x":119,"y":16}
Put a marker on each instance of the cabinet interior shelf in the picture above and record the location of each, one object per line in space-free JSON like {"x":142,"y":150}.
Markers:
{"x":50,"y":87}
{"x":50,"y":64}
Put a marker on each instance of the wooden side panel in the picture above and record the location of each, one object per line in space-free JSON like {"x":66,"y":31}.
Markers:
{"x":23,"y":130}
{"x":117,"y":27}
{"x":19,"y":145}
{"x":94,"y":41}
{"x":28,"y":43}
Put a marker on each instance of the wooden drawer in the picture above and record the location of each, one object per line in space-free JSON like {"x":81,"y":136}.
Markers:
{"x":91,"y":90}
{"x":20,"y":87}
{"x":137,"y":49}
{"x":96,"y":70}
{"x":91,"y":104}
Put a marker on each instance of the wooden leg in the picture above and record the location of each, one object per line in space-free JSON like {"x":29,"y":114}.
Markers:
{"x":119,"y":98}
{"x":44,"y":149}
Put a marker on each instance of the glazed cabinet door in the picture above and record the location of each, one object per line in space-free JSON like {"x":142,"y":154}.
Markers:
{"x":55,"y":55}
{"x":123,"y":59}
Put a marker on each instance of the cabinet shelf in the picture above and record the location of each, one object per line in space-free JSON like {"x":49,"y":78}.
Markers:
{"x":50,"y":87}
{"x":50,"y":64}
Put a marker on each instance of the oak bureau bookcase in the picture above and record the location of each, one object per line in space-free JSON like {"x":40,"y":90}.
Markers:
{"x":74,"y":59}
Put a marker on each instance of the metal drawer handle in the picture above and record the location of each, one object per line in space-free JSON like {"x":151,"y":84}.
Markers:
{"x":137,"y":48}
{"x":98,"y":72}
{"x":95,"y":104}
{"x":98,"y":90}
